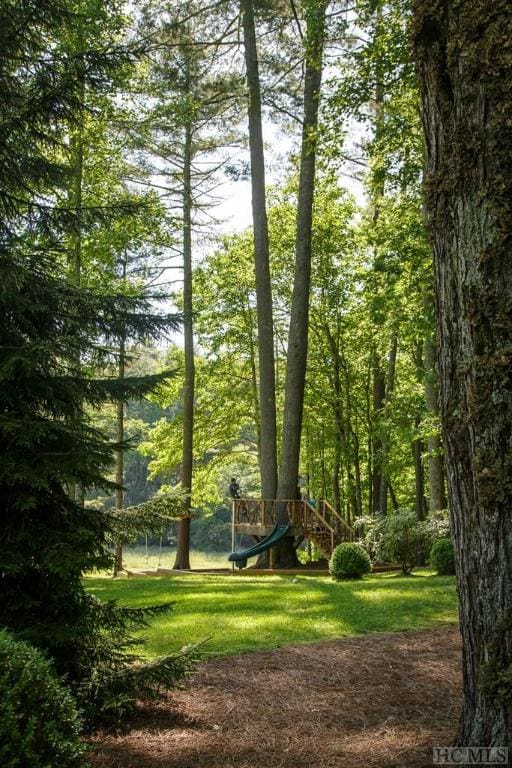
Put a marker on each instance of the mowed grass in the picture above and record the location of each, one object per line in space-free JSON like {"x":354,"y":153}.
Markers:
{"x":139,"y":558}
{"x":245,"y":613}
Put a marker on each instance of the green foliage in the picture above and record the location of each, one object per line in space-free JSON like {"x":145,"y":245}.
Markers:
{"x":442,"y":557}
{"x":39,"y":722}
{"x":131,"y":523}
{"x":369,"y":530}
{"x":401,"y":539}
{"x":212,"y":532}
{"x":47,"y":540}
{"x":56,"y":335}
{"x":114,"y":675}
{"x":224,"y":439}
{"x":438,"y":525}
{"x":349,"y":561}
{"x":311,"y":555}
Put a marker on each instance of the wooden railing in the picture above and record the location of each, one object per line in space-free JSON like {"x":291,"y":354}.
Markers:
{"x":315,"y":523}
{"x":264,"y":511}
{"x":304,"y":513}
{"x":342,"y":528}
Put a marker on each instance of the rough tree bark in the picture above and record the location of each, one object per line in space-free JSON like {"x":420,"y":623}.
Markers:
{"x":267,"y":383}
{"x":383,"y":386}
{"x":353,"y":457}
{"x":378,"y":402}
{"x":388,"y":390}
{"x":299,"y":318}
{"x":182,"y":561}
{"x":266,"y":365}
{"x":340,"y":434}
{"x":419,"y":475}
{"x":465,"y":65}
{"x":118,"y":553}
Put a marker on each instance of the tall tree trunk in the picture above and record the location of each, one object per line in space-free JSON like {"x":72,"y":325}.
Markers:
{"x":419,"y":475}
{"x":354,"y":459}
{"x":465,"y":66}
{"x":385,"y":449}
{"x":323,"y":471}
{"x":267,"y":383}
{"x":118,"y":555}
{"x":370,"y":445}
{"x":337,"y":406}
{"x":254,"y":375}
{"x":436,"y":480}
{"x":379,"y":400}
{"x":299,"y":317}
{"x":182,"y":560}
{"x":263,"y":559}
{"x":336,"y":468}
{"x":358,"y":482}
{"x":379,"y":487}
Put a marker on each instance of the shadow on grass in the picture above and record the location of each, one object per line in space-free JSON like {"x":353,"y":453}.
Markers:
{"x":246,"y":613}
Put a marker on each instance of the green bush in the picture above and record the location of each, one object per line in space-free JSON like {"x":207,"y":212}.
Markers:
{"x":349,"y":561}
{"x":39,"y":724}
{"x":438,"y":525}
{"x":442,"y":557}
{"x":402,"y":540}
{"x":369,"y":530}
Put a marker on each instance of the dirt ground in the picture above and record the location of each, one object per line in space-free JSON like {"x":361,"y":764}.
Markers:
{"x":379,"y":701}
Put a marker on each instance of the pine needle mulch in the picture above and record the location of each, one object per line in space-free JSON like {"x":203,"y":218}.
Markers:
{"x":377,"y":701}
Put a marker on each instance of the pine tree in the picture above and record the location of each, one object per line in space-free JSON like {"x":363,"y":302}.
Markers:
{"x":54,"y":333}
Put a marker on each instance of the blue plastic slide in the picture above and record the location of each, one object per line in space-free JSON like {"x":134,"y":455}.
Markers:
{"x":240,"y":558}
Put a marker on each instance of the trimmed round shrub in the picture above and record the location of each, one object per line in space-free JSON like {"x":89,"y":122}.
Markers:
{"x":39,"y":723}
{"x":442,"y":557}
{"x":349,"y":561}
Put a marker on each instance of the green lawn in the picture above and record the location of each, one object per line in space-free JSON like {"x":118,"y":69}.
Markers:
{"x":245,"y":613}
{"x":138,"y":557}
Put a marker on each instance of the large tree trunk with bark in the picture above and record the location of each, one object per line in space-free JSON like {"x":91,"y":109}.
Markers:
{"x":378,"y":402}
{"x":389,"y":389}
{"x":267,"y":382}
{"x":118,"y":553}
{"x":340,"y":433}
{"x":182,"y":560}
{"x":419,"y":476}
{"x":383,"y":386}
{"x":465,"y":65}
{"x":299,"y":318}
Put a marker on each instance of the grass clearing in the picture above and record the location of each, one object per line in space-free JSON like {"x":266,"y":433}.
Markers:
{"x":139,"y":558}
{"x":246,"y":613}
